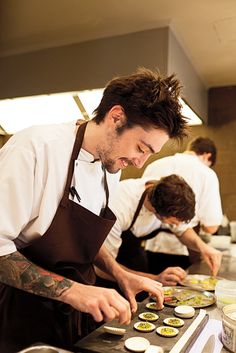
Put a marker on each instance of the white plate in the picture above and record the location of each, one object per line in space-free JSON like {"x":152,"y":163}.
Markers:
{"x":115,"y":330}
{"x":137,"y":344}
{"x":148,"y":316}
{"x":154,"y":349}
{"x":162,"y":331}
{"x":184,"y":311}
{"x":144,"y":326}
{"x":174,"y":322}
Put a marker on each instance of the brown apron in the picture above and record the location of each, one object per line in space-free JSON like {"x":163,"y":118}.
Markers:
{"x":68,"y":248}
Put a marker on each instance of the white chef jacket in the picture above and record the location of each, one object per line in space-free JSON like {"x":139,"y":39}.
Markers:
{"x":124,"y":203}
{"x":33,"y":172}
{"x":204,"y":182}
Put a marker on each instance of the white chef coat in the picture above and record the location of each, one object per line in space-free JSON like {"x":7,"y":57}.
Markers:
{"x":204,"y":182}
{"x":124,"y":203}
{"x":33,"y":171}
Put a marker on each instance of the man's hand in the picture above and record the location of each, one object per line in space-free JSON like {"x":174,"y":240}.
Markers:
{"x":171,"y":276}
{"x":102,"y":303}
{"x":213,"y":258}
{"x":132,"y":284}
{"x":210,"y":255}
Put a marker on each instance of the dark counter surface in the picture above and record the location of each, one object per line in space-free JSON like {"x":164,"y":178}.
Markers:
{"x":101,"y":342}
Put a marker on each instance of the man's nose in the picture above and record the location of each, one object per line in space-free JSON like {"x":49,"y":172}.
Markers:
{"x":139,"y":161}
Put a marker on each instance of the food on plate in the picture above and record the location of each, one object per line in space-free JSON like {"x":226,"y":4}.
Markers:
{"x":167,"y":331}
{"x":174,"y":296}
{"x":153,"y":306}
{"x":200,"y":282}
{"x":148,"y":316}
{"x":144,"y":326}
{"x":173,"y":322}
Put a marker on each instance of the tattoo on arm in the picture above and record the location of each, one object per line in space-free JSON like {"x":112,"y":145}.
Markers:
{"x":17,"y":271}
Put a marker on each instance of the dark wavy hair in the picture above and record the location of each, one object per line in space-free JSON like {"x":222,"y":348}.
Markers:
{"x":148,"y":99}
{"x":171,"y":196}
{"x":201,"y":145}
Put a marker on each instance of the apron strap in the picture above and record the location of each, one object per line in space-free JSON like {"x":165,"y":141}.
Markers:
{"x":106,"y":191}
{"x":154,"y":232}
{"x":140,"y":204}
{"x":75,"y":152}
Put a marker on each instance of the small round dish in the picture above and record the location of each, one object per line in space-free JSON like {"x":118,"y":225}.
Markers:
{"x":148,"y":316}
{"x":184,"y":311}
{"x":137,"y":344}
{"x":144,"y":326}
{"x":167,"y":331}
{"x":153,"y":306}
{"x":173,"y":322}
{"x":115,"y":330}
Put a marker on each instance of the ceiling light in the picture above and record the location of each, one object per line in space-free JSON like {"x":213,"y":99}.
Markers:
{"x":19,"y":113}
{"x":193,"y":118}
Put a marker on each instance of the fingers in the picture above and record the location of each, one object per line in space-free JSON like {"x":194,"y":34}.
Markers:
{"x":102,"y":303}
{"x":177,"y":271}
{"x":158,"y":293}
{"x":216,"y":262}
{"x":122,"y":307}
{"x":172,"y":275}
{"x":213,"y":259}
{"x":132,"y":301}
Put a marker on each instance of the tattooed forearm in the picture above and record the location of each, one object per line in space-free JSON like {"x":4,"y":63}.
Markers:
{"x":19,"y":272}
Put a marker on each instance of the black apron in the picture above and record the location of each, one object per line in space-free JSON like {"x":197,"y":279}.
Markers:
{"x":131,"y":253}
{"x":68,"y":247}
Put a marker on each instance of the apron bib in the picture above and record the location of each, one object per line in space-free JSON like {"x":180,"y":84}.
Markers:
{"x":131,"y":253}
{"x":68,"y":247}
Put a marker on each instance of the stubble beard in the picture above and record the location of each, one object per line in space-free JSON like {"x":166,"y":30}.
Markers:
{"x":108,"y":163}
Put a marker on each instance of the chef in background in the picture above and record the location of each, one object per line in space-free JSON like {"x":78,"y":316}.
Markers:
{"x":194,"y":165}
{"x":143,"y":207}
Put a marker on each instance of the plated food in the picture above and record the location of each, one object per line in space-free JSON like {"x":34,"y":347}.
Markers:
{"x":176,"y":295}
{"x":167,"y":331}
{"x":173,"y":322}
{"x":153,"y":306}
{"x":144,"y":326}
{"x":203,"y":282}
{"x":148,"y":316}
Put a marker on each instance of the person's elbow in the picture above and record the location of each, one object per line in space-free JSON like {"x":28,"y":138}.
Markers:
{"x":210,"y":229}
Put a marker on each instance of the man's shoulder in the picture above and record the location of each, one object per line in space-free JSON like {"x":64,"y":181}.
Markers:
{"x":38,"y":135}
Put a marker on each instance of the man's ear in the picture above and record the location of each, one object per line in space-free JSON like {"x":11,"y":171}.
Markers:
{"x":150,"y":183}
{"x":206,"y":158}
{"x":116,"y":115}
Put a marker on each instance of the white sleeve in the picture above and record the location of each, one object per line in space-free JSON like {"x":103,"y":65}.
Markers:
{"x":210,"y":211}
{"x":16,"y":194}
{"x":113,"y":240}
{"x":123,"y":212}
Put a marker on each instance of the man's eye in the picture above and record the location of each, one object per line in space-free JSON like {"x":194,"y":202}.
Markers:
{"x":141,"y":150}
